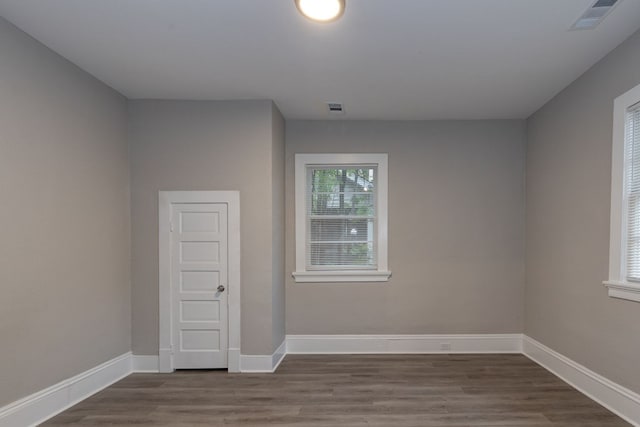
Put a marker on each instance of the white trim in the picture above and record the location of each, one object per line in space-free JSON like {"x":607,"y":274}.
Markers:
{"x":233,"y":360}
{"x":623,"y":290}
{"x":618,"y":213}
{"x":279,"y":355}
{"x":263,"y":363}
{"x":145,"y":364}
{"x":44,"y":404}
{"x":165,"y":360}
{"x":165,"y":199}
{"x":250,"y":363}
{"x":618,"y":399}
{"x":403,"y":344}
{"x":341,"y":276}
{"x":382,"y":189}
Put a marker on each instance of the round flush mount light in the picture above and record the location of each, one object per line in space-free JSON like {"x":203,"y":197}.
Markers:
{"x":321,"y":10}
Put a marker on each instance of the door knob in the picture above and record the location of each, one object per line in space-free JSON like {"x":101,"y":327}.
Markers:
{"x":221,"y":288}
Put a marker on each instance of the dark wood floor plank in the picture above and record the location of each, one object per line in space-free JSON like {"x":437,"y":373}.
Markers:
{"x":350,"y":390}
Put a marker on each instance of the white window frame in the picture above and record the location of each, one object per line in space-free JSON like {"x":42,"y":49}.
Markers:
{"x":302,"y":162}
{"x":617,"y":284}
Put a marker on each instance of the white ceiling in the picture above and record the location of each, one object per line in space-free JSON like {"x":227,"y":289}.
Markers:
{"x":385,"y":59}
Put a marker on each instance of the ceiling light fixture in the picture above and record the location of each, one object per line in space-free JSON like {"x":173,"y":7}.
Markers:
{"x":321,"y":10}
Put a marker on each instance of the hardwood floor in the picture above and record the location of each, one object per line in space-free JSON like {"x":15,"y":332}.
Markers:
{"x":354,"y":390}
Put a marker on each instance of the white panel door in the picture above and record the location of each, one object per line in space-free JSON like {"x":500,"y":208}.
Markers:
{"x":199,"y":248}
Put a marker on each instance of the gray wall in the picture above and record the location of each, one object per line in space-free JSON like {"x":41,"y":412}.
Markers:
{"x":456,"y":230}
{"x":568,"y":201}
{"x":64,"y":256}
{"x":200,"y":145}
{"x":278,"y":236}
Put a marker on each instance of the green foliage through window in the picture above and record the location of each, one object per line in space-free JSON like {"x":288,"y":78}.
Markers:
{"x":342,"y":217}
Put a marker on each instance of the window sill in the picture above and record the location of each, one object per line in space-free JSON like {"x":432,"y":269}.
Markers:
{"x":623,"y":290}
{"x":341,"y":276}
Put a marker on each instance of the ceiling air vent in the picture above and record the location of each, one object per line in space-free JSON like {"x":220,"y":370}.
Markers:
{"x":594,"y":15}
{"x":335,"y":108}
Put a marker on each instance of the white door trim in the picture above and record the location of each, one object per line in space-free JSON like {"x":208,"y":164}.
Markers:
{"x":165,"y":200}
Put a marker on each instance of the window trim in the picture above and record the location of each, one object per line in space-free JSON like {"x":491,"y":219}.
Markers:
{"x":302,"y":161}
{"x":618,"y":286}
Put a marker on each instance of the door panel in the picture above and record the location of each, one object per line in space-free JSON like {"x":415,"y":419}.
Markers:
{"x":199,"y":267}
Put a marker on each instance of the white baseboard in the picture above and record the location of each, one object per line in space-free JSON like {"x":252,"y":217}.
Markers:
{"x":38,"y":407}
{"x":618,"y":399}
{"x":255,"y":363}
{"x":425,"y":344}
{"x":263,"y":363}
{"x":279,"y":354}
{"x":150,"y":364}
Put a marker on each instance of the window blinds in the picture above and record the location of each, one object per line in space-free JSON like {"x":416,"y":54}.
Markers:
{"x":341,"y":217}
{"x":632,"y":192}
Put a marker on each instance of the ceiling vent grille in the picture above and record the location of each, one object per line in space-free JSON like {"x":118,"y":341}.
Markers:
{"x":335,"y":108}
{"x":594,"y":15}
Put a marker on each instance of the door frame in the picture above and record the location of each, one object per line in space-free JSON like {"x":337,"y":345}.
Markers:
{"x":165,"y":200}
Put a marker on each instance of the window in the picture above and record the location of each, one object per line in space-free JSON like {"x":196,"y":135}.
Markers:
{"x":624,"y":256}
{"x":341,"y":218}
